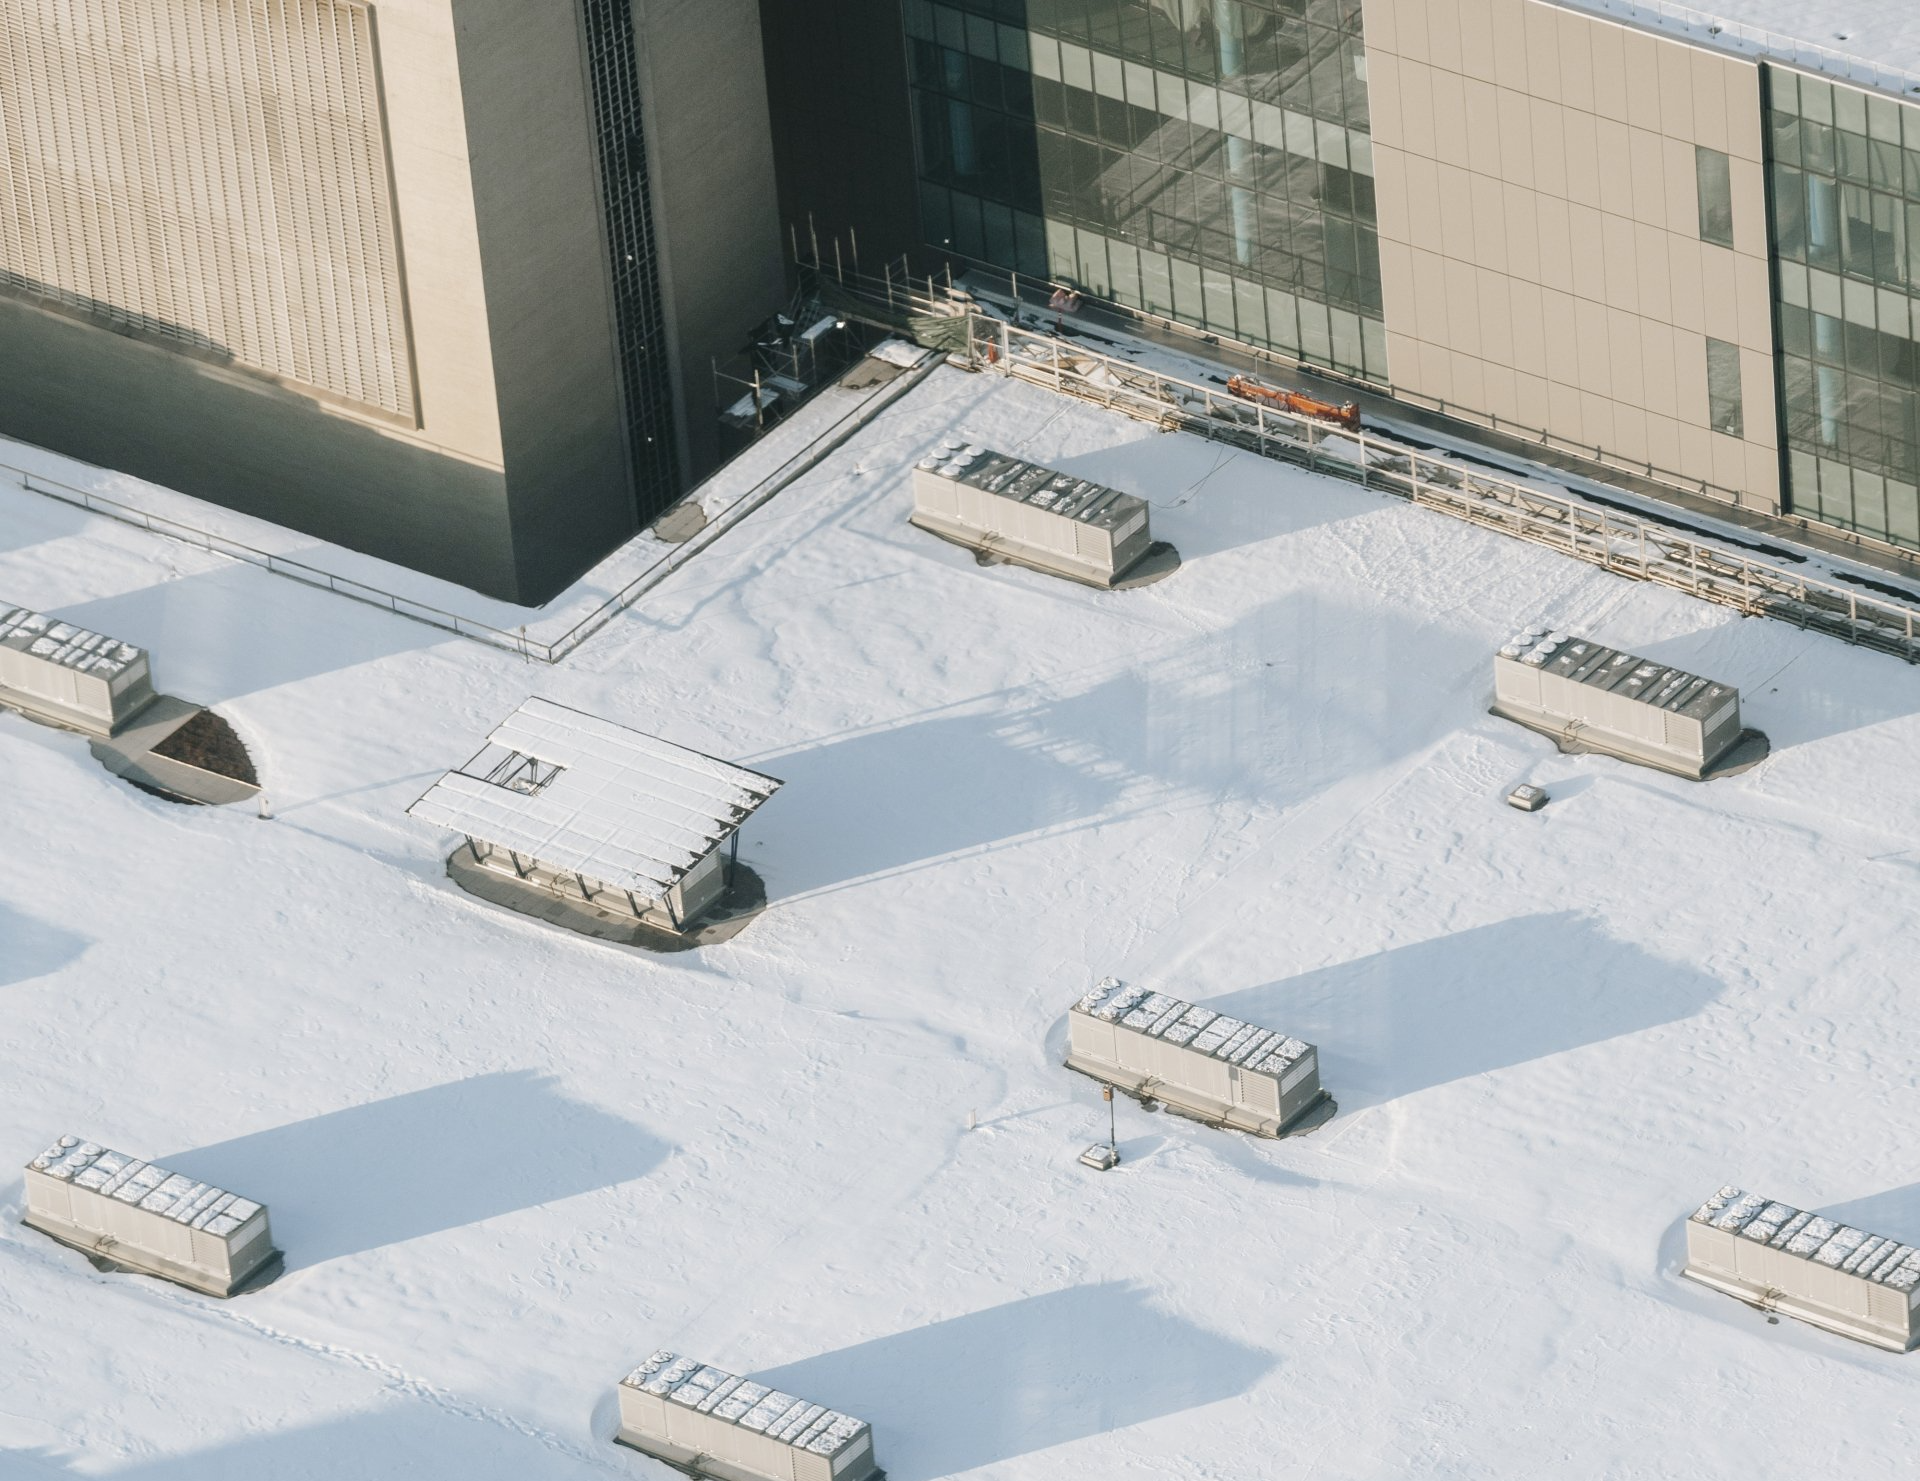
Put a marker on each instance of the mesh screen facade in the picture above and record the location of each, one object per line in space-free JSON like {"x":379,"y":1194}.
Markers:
{"x":646,"y":375}
{"x":212,"y":173}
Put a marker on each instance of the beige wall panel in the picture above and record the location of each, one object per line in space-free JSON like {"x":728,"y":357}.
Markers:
{"x":1380,"y":21}
{"x":1390,"y":196}
{"x":1533,"y":407}
{"x":1709,"y":101}
{"x":1563,"y":412}
{"x":1463,"y":308}
{"x":1690,"y":379}
{"x":1457,"y":227}
{"x":1629,"y":431}
{"x":1696,"y":452}
{"x":1596,"y":353}
{"x":1680,"y":175}
{"x":1443,"y":34}
{"x":1410,"y":27}
{"x":1616,"y":168}
{"x":1621,"y":255}
{"x":1643,"y":80}
{"x":1752,"y":289}
{"x":1483,"y":128}
{"x":1502,"y":397}
{"x":1396,"y":282}
{"x":1543,"y":52}
{"x":1653,"y":279}
{"x":1449,"y":118}
{"x":1476,"y":39}
{"x":1562,"y":336}
{"x":1609,"y":72}
{"x":1683,"y":268}
{"x":1516,"y":138}
{"x":1660,"y":391}
{"x":1763,"y":471}
{"x":1489,"y":207}
{"x":1416,"y":110}
{"x":1743,"y":116}
{"x":1576,"y":60}
{"x":1720,"y":294}
{"x":1749,"y":202}
{"x":1596,"y":419}
{"x":1676,"y":90}
{"x":1756,"y":398}
{"x":1429,"y":297}
{"x":1583,"y":158}
{"x":1522,"y":233}
{"x":1436,"y":371}
{"x":1646,"y":161}
{"x":1469,"y":384}
{"x":1423,"y":200}
{"x":1663,"y":441}
{"x":1496,"y":316}
{"x":1529,"y":321}
{"x":1589,"y":251}
{"x":1548,"y":128}
{"x":1729,"y":460}
{"x":1510,"y":44}
{"x":1624,"y":356}
{"x":1556,"y":243}
{"x":1383,"y":95}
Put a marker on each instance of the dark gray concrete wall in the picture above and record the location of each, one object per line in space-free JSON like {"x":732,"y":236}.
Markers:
{"x":108,"y":399}
{"x":532,"y":145}
{"x":715,"y":215}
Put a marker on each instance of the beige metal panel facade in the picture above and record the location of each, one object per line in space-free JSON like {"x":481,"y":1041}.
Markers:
{"x":1540,"y":244}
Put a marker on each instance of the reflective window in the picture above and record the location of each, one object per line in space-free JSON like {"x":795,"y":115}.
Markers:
{"x":1210,"y":162}
{"x":1714,"y":183}
{"x":1723,"y":388}
{"x":1845,"y":222}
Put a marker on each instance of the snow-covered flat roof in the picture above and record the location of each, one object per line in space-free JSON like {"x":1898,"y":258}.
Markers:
{"x":627,"y":809}
{"x":1871,"y":43}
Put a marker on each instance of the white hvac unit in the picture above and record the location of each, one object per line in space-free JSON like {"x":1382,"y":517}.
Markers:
{"x":162,"y":1223}
{"x":66,"y":674}
{"x":1193,"y":1059}
{"x":1052,"y":521}
{"x":1787,"y":1259}
{"x":713,"y":1423}
{"x":1606,"y":700}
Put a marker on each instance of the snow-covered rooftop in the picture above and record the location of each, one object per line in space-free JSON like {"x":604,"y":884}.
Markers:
{"x":503,"y":1159}
{"x":629,"y":810}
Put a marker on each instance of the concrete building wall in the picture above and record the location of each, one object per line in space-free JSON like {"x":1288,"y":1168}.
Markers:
{"x":715,"y":211}
{"x":1540,"y":242}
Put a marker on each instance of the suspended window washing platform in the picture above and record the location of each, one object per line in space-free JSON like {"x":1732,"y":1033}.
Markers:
{"x":603,"y":830}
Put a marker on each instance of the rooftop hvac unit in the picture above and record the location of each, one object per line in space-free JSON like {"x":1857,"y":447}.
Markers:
{"x":66,"y":674}
{"x":1633,"y":708}
{"x":712,"y":1423}
{"x":1786,"y":1259}
{"x":1197,"y":1061}
{"x":1050,"y":521}
{"x":116,"y":1207}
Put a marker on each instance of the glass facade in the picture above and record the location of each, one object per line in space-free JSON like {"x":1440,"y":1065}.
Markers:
{"x":1844,"y":200}
{"x":646,"y":377}
{"x":1208,"y":160}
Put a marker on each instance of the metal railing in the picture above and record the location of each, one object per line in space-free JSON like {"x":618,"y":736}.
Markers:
{"x":514,"y":641}
{"x":1737,"y":36}
{"x":1640,"y":548}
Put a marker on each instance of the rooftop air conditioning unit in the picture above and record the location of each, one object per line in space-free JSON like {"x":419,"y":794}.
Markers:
{"x":129,"y":1212}
{"x":1203,"y":1063}
{"x":68,"y":675}
{"x":1051,"y":521}
{"x":1786,"y":1259}
{"x":1577,"y":690}
{"x":711,"y":1423}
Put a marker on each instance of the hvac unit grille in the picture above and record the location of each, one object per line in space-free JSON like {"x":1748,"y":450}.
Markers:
{"x":645,"y":373}
{"x":212,"y":173}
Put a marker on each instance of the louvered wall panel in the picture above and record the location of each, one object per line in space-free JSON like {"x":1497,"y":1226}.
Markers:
{"x":211,"y":172}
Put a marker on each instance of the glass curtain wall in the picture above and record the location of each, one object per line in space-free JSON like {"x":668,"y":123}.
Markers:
{"x":1845,"y":204}
{"x":1208,"y":160}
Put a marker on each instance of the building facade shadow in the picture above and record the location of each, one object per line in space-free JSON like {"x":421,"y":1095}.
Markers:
{"x":974,"y":1390}
{"x":411,"y":1165}
{"x":1414,"y":1017}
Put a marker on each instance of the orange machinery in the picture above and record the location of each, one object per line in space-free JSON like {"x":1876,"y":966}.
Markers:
{"x":1347,"y":414}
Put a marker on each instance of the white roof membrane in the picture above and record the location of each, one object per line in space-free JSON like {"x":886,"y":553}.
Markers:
{"x":626,"y":809}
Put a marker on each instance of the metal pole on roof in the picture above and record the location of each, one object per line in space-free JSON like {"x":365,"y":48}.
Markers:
{"x":853,"y":240}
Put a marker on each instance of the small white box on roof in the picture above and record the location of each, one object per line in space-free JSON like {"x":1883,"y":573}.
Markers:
{"x":709,"y":1422}
{"x":1782,"y":1258}
{"x":1052,"y":521}
{"x":117,"y":1208}
{"x":1206,"y":1064}
{"x":1594,"y":697}
{"x":66,"y":674}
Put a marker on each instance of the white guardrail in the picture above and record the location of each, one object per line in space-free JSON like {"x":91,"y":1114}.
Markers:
{"x":1640,"y":548}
